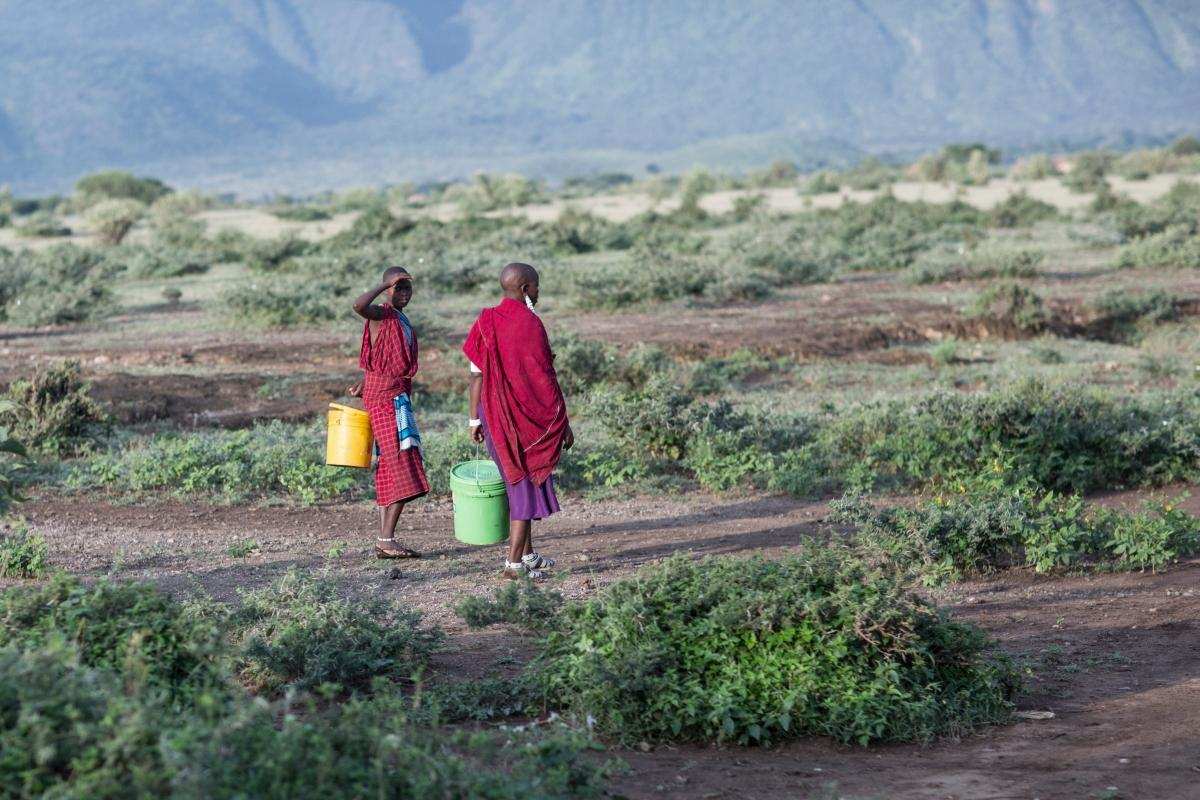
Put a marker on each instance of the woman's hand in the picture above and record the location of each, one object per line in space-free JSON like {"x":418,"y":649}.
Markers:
{"x":477,"y":434}
{"x":568,"y":438}
{"x":356,"y":390}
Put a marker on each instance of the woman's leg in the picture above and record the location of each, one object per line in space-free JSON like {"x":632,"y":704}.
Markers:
{"x":518,"y":539}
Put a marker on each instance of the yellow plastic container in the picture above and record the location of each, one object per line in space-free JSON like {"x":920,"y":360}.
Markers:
{"x":348,"y":443}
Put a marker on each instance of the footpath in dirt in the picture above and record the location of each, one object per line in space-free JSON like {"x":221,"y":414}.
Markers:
{"x":1114,"y":657}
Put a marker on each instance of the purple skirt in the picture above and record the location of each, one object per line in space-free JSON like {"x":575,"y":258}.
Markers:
{"x":525,"y":501}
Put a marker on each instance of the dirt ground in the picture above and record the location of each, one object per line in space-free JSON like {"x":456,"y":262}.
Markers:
{"x":1115,"y":657}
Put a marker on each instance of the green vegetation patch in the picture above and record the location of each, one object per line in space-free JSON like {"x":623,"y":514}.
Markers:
{"x":61,"y":284}
{"x":757,"y":651}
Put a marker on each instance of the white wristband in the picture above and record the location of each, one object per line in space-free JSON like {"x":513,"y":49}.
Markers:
{"x":474,"y":423}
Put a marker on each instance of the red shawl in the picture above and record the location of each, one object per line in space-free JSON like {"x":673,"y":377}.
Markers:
{"x":525,"y":410}
{"x":388,"y":363}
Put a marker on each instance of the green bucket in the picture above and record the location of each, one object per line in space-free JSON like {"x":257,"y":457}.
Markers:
{"x":480,"y":503}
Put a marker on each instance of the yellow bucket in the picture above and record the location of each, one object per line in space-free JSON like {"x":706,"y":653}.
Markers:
{"x":348,"y":443}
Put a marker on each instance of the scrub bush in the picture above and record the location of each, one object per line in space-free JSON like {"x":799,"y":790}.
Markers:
{"x":42,"y":225}
{"x":980,"y":264}
{"x":1019,"y":210}
{"x":978,"y":531}
{"x":1032,"y":168}
{"x":269,"y":459}
{"x":53,"y":412}
{"x":1088,"y":170}
{"x":161,"y":261}
{"x":300,"y":633}
{"x":70,"y":731}
{"x":12,"y":455}
{"x":1124,"y":317}
{"x":23,"y":554}
{"x":61,"y":284}
{"x":133,"y":630}
{"x":757,"y":651}
{"x":271,"y":255}
{"x":302,"y":213}
{"x":112,"y":220}
{"x":117,"y":185}
{"x":1015,"y":309}
{"x":1177,"y":247}
{"x":820,"y":183}
{"x":1061,"y":438}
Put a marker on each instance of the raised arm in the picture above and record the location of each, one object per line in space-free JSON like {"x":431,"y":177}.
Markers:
{"x":363,"y":305}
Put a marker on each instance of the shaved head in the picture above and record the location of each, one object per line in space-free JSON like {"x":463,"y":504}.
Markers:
{"x":516,"y":275}
{"x":390,"y":273}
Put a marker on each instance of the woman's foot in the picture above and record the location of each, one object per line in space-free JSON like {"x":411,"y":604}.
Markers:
{"x":536,"y":561}
{"x":516,"y":570}
{"x":390,"y":548}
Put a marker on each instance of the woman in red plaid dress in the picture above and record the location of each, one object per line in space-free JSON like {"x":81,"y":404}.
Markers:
{"x":389,"y":361}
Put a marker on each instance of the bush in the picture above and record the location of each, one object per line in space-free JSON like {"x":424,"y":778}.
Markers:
{"x":755,"y":651}
{"x":111,"y":220}
{"x":299,"y":633}
{"x":1061,"y":438}
{"x":12,"y":454}
{"x":134,"y":630}
{"x":116,"y":185}
{"x":161,"y":262}
{"x":1019,"y":210}
{"x":267,"y":460}
{"x":980,"y":264}
{"x":42,"y":225}
{"x":53,"y":412}
{"x":302,"y":213}
{"x":1177,"y":247}
{"x":23,"y":554}
{"x":70,"y":731}
{"x":1122,"y":316}
{"x":271,"y":255}
{"x":1088,"y":170}
{"x":60,"y":284}
{"x":491,"y":192}
{"x":1015,"y":309}
{"x":820,"y":183}
{"x":978,"y":531}
{"x":1032,"y":168}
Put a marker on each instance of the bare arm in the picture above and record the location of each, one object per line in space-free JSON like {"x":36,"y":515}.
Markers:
{"x":363,"y":307}
{"x":475,"y":392}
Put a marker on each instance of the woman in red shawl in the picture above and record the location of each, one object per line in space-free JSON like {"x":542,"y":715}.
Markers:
{"x":389,"y":360}
{"x":522,"y":414}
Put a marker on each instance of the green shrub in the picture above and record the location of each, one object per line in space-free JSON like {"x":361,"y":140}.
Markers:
{"x":53,"y":411}
{"x":695,"y":185}
{"x":368,"y":748}
{"x":60,"y":284}
{"x":23,"y":553}
{"x":1032,"y":168}
{"x":161,"y":262}
{"x":1088,"y":170}
{"x":885,"y":233}
{"x":112,"y":220}
{"x":12,"y":455}
{"x":519,"y":603}
{"x":979,"y":264}
{"x":300,"y":633}
{"x":1185,"y":146}
{"x":1015,"y":309}
{"x":134,"y":630}
{"x":491,"y":192}
{"x":820,"y":183}
{"x":266,"y":460}
{"x":755,"y":651}
{"x":1122,"y":316}
{"x":580,"y":232}
{"x":70,"y":731}
{"x":868,"y":175}
{"x":746,"y":206}
{"x":302,"y":213}
{"x":116,"y":185}
{"x":1019,"y":210}
{"x":271,"y":255}
{"x":981,"y":530}
{"x":73,"y":732}
{"x":1177,"y":247}
{"x":1062,"y":438}
{"x":42,"y":225}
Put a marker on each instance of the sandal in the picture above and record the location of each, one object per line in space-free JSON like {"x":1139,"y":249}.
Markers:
{"x":515,"y":571}
{"x":536,"y":561}
{"x":390,"y":548}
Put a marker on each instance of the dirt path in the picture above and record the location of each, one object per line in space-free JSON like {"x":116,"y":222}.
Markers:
{"x":1115,"y":657}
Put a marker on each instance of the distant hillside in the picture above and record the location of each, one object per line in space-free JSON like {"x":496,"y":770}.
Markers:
{"x":313,"y":93}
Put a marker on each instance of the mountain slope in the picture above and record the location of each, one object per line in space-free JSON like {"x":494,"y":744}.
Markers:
{"x":296,"y":87}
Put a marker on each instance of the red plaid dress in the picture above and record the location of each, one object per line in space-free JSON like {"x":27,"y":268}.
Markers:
{"x":388,"y":365}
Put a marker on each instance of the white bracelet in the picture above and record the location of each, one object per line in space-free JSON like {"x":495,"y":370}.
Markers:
{"x":474,"y":423}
